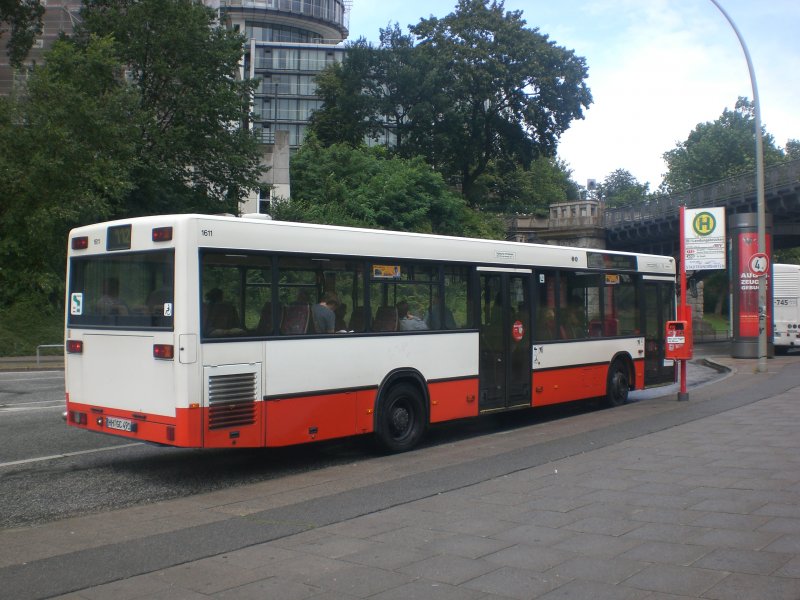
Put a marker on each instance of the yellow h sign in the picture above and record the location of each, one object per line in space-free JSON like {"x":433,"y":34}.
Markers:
{"x":704,"y":223}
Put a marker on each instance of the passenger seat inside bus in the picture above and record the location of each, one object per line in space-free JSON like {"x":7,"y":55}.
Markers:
{"x":295,"y":319}
{"x":385,"y":319}
{"x":219,"y":315}
{"x":265,"y":320}
{"x":357,"y":319}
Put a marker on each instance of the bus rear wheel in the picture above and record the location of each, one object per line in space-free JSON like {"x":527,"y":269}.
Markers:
{"x":401,"y":419}
{"x":617,"y":383}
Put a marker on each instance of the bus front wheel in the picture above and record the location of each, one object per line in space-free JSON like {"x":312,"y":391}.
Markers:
{"x":617,"y":383}
{"x":401,"y":419}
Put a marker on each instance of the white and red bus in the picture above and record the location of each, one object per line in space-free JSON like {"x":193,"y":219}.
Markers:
{"x":786,"y":307}
{"x":199,"y":331}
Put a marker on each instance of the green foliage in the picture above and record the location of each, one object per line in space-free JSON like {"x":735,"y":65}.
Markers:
{"x":792,"y":149}
{"x":66,"y":151}
{"x":182,"y":66}
{"x":478,"y":89}
{"x":506,"y":91}
{"x":28,"y":323}
{"x":348,"y":91}
{"x":364,"y":187}
{"x":715,"y":151}
{"x":715,"y":294}
{"x":789,"y":256}
{"x":512,"y":188}
{"x":620,"y":188}
{"x":138,"y":114}
{"x":23,"y":19}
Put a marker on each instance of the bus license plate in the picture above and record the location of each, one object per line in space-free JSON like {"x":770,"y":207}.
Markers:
{"x":119,"y":424}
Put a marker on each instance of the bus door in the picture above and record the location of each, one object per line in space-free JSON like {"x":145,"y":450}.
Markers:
{"x":505,"y":348}
{"x":659,"y":307}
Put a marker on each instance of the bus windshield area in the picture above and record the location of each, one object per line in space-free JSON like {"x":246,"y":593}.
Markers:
{"x":126,"y":291}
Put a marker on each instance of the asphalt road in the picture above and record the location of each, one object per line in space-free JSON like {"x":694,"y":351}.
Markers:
{"x":49,"y":471}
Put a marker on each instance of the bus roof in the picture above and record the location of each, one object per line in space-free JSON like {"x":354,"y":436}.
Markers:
{"x":260,"y":234}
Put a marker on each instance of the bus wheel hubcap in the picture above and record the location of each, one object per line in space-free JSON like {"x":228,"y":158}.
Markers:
{"x":400,"y":420}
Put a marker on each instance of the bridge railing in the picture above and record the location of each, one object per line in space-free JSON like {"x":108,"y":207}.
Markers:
{"x":731,"y":191}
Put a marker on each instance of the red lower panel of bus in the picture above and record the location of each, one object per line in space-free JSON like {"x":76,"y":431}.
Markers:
{"x":455,"y":399}
{"x":182,"y":430}
{"x":575,"y":383}
{"x":302,"y":419}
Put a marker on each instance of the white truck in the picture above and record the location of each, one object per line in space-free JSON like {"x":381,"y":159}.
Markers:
{"x":786,"y":307}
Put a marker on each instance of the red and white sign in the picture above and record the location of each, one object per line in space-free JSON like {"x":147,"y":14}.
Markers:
{"x":759,"y":263}
{"x":518,"y":331}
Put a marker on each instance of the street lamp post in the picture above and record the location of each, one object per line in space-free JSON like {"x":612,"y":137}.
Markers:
{"x":762,"y":245}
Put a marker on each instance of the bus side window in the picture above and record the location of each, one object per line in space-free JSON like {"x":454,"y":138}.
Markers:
{"x":454,"y":315}
{"x":546,"y":292}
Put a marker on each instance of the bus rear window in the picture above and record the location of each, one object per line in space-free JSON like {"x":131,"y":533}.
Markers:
{"x":126,"y":291}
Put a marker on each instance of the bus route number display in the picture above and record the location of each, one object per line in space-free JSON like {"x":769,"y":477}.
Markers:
{"x":119,"y":238}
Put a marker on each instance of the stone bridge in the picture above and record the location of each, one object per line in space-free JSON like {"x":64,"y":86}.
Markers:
{"x":653,"y":226}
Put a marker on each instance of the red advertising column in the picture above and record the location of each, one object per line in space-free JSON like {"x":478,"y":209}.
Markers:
{"x":746,"y":268}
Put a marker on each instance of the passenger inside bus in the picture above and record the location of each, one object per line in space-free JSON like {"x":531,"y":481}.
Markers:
{"x":110,"y":302}
{"x":324,"y":314}
{"x":408,"y":321}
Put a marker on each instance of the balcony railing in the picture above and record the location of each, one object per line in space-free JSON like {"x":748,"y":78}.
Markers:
{"x":330,"y":11}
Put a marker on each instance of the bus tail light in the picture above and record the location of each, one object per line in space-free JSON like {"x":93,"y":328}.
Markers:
{"x":162,"y":234}
{"x":80,"y":243}
{"x":164,"y":351}
{"x":74,"y":346}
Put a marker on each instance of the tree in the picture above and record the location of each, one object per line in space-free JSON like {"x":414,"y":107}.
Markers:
{"x":348,"y":91}
{"x":67,"y":149}
{"x":365,"y":187}
{"x":192,"y":152}
{"x":507,"y":91}
{"x":792,"y":149}
{"x":510,"y":188}
{"x":620,"y":188}
{"x":139,"y":113}
{"x":718,"y":150}
{"x":24,"y":20}
{"x":477,"y":88}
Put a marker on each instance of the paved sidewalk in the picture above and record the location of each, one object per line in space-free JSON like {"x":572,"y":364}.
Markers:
{"x":655,"y":500}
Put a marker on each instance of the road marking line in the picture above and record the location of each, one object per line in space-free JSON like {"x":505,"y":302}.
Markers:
{"x":7,"y":408}
{"x":65,"y":455}
{"x":3,"y":380}
{"x":59,"y":402}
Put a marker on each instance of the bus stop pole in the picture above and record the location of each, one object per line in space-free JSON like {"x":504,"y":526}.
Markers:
{"x":683,"y":310}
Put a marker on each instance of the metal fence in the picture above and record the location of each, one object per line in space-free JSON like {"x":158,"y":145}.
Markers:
{"x":41,"y":347}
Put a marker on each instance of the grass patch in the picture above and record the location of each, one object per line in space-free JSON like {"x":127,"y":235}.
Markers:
{"x":27,"y":324}
{"x":716,"y":322}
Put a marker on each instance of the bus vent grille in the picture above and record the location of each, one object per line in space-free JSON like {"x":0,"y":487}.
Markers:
{"x":231,"y":400}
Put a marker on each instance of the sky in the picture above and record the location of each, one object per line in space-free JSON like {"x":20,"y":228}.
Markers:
{"x":657,"y":68}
